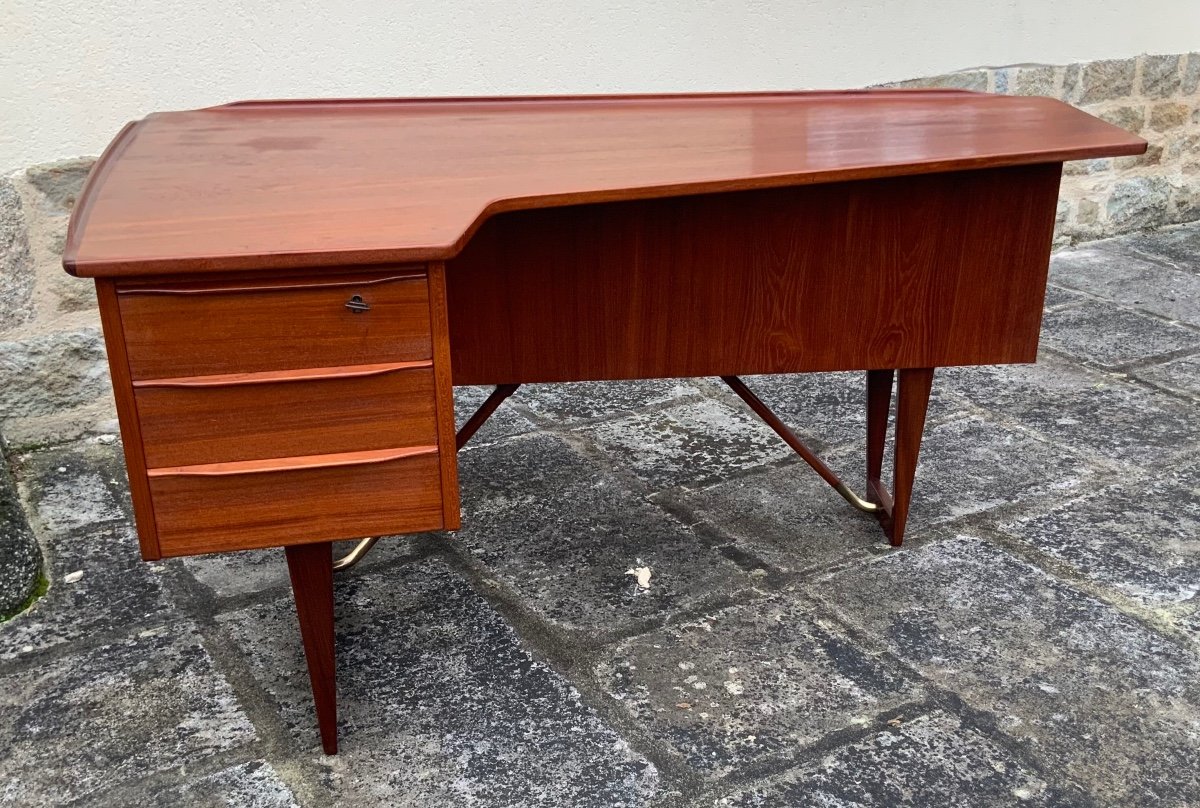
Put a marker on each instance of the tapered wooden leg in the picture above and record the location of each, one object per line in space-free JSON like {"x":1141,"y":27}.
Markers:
{"x":879,"y":401}
{"x":311,"y":569}
{"x":912,"y":400}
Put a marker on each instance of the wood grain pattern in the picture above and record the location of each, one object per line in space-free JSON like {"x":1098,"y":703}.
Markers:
{"x":912,"y":401}
{"x":285,"y":326}
{"x":127,"y":416}
{"x":249,"y":418}
{"x":204,"y":514}
{"x":444,"y":396}
{"x":311,"y":570}
{"x":922,"y":271}
{"x":234,"y":187}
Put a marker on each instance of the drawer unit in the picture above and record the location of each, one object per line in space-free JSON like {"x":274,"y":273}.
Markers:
{"x":266,"y":504}
{"x":287,"y":411}
{"x":217,"y":328}
{"x":212,"y":419}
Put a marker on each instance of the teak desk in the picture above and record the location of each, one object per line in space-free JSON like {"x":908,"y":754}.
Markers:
{"x":290,"y":289}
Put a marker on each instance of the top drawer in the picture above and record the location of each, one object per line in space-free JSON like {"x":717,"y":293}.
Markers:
{"x":213,"y":328}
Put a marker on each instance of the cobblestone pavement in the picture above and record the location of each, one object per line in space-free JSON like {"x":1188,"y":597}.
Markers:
{"x":1036,"y":642}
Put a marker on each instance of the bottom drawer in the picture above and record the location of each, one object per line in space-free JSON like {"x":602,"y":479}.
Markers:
{"x":238,"y":506}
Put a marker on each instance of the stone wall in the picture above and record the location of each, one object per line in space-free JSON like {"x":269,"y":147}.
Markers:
{"x":1156,"y":97}
{"x":54,"y":381}
{"x":53,"y":376}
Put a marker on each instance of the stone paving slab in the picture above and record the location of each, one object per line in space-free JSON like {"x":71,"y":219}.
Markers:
{"x":1176,"y":247}
{"x":1181,"y":375}
{"x":1125,"y":538}
{"x":255,"y":784}
{"x":788,"y":517}
{"x":1057,"y":297}
{"x":689,"y":445}
{"x":1098,"y":697}
{"x":112,"y":715}
{"x":824,"y":409}
{"x":930,"y":760}
{"x":228,"y":575}
{"x":1092,"y":412}
{"x":974,"y":465}
{"x":750,"y":684}
{"x":1107,"y":336}
{"x":968,"y":465}
{"x":1188,"y":620}
{"x":1130,"y":281}
{"x":571,"y":404}
{"x":249,"y":572}
{"x":439,"y":702}
{"x":98,"y":582}
{"x":563,"y":534}
{"x":76,"y":486}
{"x":505,"y":421}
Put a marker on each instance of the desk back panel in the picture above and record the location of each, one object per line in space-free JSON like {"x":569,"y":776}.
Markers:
{"x":920,"y":271}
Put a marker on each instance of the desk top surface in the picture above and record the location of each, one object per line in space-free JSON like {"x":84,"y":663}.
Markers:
{"x":278,"y":184}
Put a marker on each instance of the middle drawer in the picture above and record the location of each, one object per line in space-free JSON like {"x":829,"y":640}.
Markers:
{"x":256,"y":416}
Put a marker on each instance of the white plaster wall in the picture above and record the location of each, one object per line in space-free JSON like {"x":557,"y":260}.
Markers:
{"x":71,"y":72}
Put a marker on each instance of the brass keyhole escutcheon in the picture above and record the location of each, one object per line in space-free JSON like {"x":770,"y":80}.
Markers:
{"x":357,"y":305}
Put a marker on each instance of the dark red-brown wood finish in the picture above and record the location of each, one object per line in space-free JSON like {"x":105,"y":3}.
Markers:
{"x":290,"y":289}
{"x":922,"y":271}
{"x":311,"y":569}
{"x":316,"y":183}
